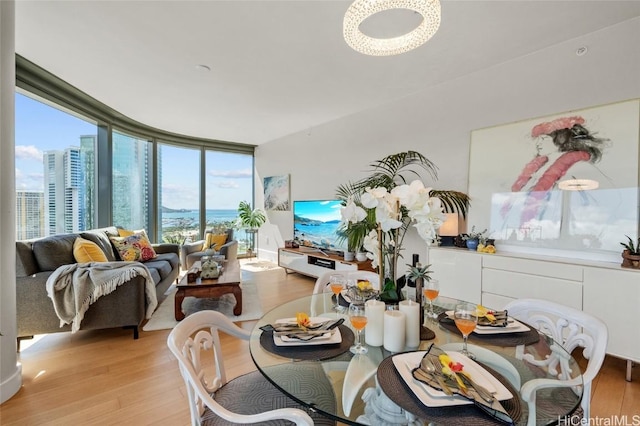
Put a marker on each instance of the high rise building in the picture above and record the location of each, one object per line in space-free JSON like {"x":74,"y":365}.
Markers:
{"x":131,"y":179}
{"x":64,"y":210}
{"x":88,"y":161}
{"x":29,"y":214}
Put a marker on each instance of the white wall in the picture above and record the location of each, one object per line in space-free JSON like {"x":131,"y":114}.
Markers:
{"x":10,"y":369}
{"x":438,"y":121}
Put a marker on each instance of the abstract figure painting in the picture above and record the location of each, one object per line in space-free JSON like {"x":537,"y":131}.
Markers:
{"x":276,"y":193}
{"x":566,"y":183}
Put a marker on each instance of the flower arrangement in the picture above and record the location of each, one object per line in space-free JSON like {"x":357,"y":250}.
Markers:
{"x":379,"y":210}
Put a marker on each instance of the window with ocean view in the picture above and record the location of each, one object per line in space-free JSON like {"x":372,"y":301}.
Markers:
{"x":229,"y":180}
{"x":179,"y":193}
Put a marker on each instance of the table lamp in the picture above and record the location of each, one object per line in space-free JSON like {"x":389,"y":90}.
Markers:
{"x":449,"y":229}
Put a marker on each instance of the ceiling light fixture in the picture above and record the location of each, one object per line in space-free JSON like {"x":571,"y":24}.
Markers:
{"x":363,"y":9}
{"x":578,"y":184}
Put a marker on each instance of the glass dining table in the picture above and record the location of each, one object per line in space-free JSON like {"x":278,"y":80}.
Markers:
{"x":527,"y":372}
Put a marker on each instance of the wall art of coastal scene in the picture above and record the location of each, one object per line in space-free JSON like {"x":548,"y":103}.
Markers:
{"x":276,"y":193}
{"x":562,"y":185}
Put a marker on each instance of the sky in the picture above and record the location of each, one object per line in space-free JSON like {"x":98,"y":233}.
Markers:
{"x":40,"y":128}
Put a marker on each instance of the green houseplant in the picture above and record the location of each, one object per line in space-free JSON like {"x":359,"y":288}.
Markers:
{"x":250,"y":220}
{"x":631,"y":253}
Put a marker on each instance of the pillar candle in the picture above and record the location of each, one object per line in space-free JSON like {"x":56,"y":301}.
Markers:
{"x":394,"y":334}
{"x":374,"y":311}
{"x":411,"y":311}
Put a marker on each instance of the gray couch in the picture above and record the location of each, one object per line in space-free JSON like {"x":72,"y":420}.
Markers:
{"x":192,"y":252}
{"x":125,"y":307}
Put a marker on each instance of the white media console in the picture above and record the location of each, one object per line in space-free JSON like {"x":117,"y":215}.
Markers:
{"x":314,"y":262}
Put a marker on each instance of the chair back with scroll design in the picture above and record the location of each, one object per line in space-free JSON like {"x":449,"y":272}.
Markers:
{"x":194,"y":342}
{"x":571,"y":329}
{"x":322,"y":286}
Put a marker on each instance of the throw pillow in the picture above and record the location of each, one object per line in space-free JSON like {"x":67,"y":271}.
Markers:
{"x":85,"y":251}
{"x":134,"y":248}
{"x":215,"y":240}
{"x":125,"y":232}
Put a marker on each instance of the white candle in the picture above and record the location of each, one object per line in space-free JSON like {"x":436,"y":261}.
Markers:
{"x":394,"y":325}
{"x":374,"y":310}
{"x":411,"y":310}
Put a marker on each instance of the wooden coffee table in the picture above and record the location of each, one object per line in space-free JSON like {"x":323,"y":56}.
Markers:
{"x":227,"y":282}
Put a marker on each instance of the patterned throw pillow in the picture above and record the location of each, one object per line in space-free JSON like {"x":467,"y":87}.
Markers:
{"x":217,"y":240}
{"x":134,"y":248}
{"x":85,"y":251}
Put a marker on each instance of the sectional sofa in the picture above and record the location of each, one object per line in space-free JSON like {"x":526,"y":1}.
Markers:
{"x":37,"y":259}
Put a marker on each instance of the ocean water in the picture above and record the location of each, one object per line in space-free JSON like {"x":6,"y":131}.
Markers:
{"x":190,"y":219}
{"x":321,"y":234}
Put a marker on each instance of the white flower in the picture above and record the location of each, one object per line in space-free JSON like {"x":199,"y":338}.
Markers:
{"x":352,"y":212}
{"x":370,"y":244}
{"x":372,"y":197}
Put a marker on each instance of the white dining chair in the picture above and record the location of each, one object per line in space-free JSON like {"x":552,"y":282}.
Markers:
{"x":570,"y":328}
{"x":247,"y":399}
{"x":322,"y":286}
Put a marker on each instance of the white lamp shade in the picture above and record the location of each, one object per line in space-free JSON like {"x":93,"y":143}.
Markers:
{"x":450,"y":226}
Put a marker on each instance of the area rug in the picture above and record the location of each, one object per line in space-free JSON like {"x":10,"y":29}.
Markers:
{"x":164,"y":317}
{"x":258,"y":265}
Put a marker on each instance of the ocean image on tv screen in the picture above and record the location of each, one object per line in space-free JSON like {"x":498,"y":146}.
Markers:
{"x":315,"y":223}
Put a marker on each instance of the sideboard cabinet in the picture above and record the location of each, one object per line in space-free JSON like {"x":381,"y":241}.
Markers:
{"x":315,"y":263}
{"x":605,"y":290}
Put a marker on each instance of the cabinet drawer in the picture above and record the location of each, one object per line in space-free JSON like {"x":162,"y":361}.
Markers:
{"x":534,"y":267}
{"x":520,"y":286}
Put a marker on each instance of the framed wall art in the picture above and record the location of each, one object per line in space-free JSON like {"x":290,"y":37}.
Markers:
{"x":276,"y":193}
{"x":564,"y":185}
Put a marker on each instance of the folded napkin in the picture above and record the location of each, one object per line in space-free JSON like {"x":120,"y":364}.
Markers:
{"x":494,"y":319}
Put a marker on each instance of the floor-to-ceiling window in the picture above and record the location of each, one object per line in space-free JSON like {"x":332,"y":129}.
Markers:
{"x":131,"y":181}
{"x":178,"y":193}
{"x":55,"y":158}
{"x":229,"y":180}
{"x":78,"y":171}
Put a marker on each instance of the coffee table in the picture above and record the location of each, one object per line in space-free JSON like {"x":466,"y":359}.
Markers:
{"x":227,"y":282}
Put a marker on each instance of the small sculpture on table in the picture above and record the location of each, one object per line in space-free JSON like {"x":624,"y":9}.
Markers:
{"x":210,"y":268}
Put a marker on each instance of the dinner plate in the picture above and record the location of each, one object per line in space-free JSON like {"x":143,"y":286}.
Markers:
{"x":431,"y":397}
{"x":328,"y":338}
{"x":514,"y":326}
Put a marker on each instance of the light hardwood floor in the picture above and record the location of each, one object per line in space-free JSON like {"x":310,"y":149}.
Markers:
{"x":107,"y":378}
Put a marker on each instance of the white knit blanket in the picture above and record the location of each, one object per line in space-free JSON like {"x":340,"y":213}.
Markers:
{"x":74,"y":287}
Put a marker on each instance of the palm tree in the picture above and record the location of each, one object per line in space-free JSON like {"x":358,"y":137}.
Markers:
{"x":251,"y":220}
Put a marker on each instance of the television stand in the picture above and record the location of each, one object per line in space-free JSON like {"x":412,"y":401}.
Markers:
{"x":315,"y":262}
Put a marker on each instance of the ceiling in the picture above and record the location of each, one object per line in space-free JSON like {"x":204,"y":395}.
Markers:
{"x":277,"y":67}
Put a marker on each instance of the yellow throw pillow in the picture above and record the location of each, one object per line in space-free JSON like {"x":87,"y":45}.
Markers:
{"x":125,"y":232}
{"x":217,"y":240}
{"x":85,"y":251}
{"x":134,"y":248}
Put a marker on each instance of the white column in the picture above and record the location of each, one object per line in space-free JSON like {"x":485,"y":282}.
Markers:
{"x":10,"y":369}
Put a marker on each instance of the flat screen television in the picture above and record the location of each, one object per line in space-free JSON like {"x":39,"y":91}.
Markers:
{"x":316,"y":222}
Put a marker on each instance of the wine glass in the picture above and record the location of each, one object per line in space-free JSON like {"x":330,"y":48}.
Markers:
{"x":431,"y":289}
{"x":358,"y":321}
{"x":466,"y":319}
{"x":336,"y":283}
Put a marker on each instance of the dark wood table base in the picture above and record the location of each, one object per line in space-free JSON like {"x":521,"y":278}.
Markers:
{"x":228,"y":282}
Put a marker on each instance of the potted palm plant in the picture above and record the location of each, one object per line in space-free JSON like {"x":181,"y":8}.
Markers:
{"x":250,"y":220}
{"x":631,"y":253}
{"x":390,"y":173}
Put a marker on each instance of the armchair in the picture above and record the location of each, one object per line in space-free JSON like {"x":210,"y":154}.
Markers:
{"x":192,"y":252}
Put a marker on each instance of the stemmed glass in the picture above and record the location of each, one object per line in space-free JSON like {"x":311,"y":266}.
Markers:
{"x":336,"y":283}
{"x":358,"y":321}
{"x":466,"y":319}
{"x":431,"y":289}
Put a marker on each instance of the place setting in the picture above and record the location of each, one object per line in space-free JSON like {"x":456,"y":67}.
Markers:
{"x":479,"y":323}
{"x":308,"y":338}
{"x":435,"y":383}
